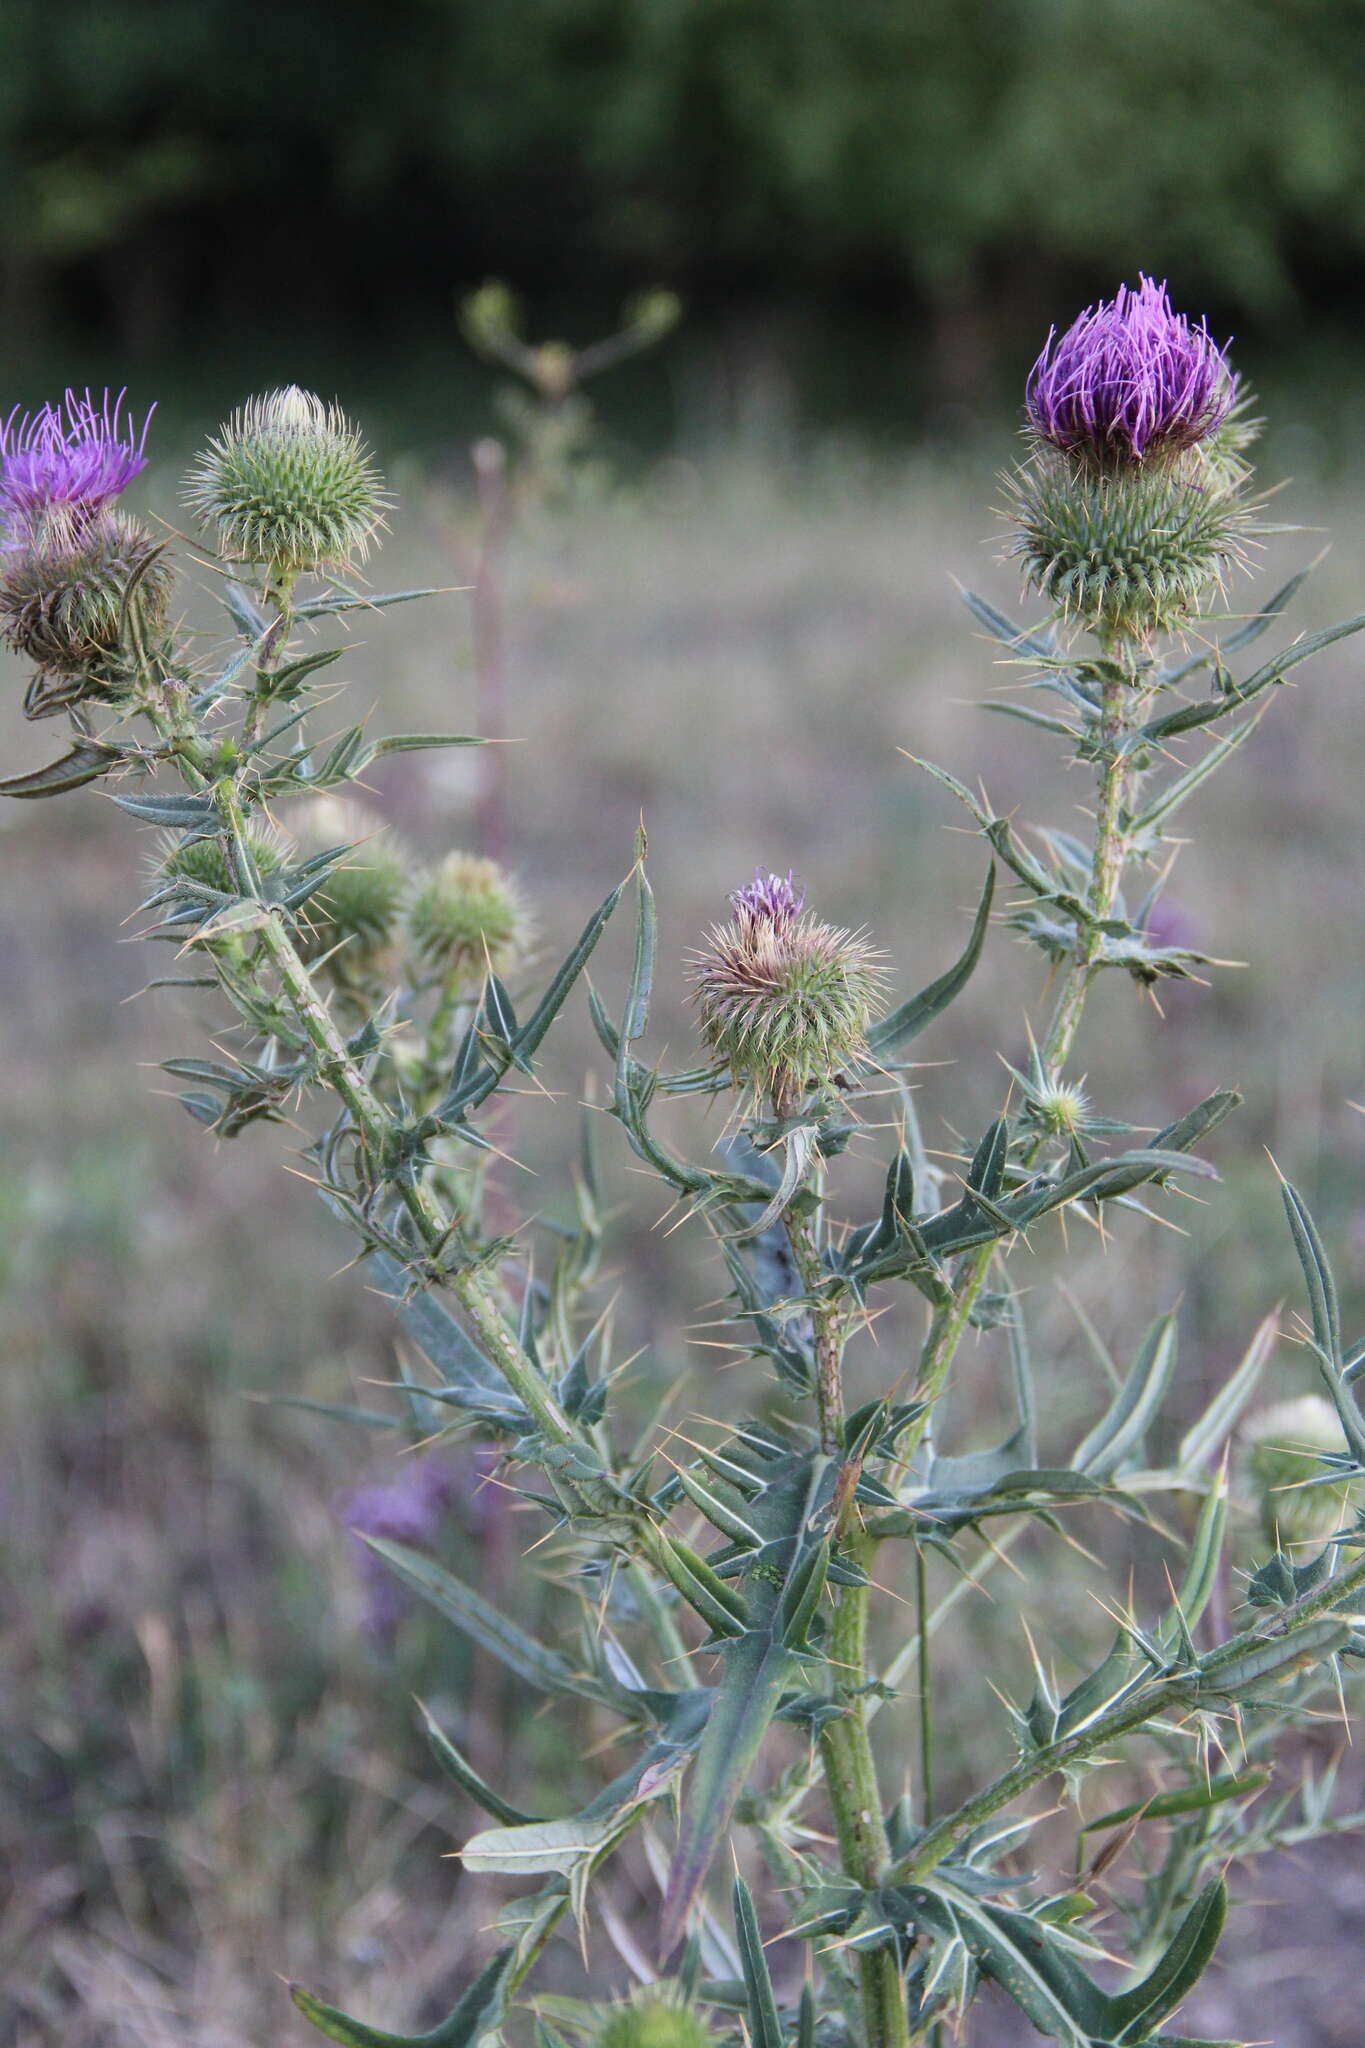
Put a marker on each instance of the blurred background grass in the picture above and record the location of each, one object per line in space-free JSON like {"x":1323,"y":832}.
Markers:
{"x":208,"y":1771}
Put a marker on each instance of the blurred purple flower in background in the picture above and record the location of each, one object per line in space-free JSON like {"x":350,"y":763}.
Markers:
{"x":1129,"y":380}
{"x":413,"y":1508}
{"x":76,"y":457}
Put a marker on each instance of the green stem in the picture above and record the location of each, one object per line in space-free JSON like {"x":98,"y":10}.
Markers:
{"x":1145,"y":1705}
{"x":855,"y":1797}
{"x":951,"y":1320}
{"x":926,"y":1702}
{"x":830,"y":1333}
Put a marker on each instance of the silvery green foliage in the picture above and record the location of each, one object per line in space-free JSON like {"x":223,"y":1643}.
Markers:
{"x":364,"y":991}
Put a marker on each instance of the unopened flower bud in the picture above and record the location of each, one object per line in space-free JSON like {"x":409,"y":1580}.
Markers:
{"x":1282,"y":1449}
{"x":783,"y":999}
{"x":354,"y":917}
{"x":652,"y":2023}
{"x":205,"y":862}
{"x":467,"y":917}
{"x":72,"y":592}
{"x":289,"y":483}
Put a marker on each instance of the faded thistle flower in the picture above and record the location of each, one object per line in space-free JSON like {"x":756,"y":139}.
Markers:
{"x":289,"y":483}
{"x":1127,"y":511}
{"x":467,"y":918}
{"x":78,"y":581}
{"x":1129,"y":382}
{"x":783,"y":999}
{"x":77,"y":457}
{"x":72,"y":591}
{"x":1283,"y":1448}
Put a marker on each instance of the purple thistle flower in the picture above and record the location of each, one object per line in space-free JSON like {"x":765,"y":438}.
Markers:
{"x":1130,"y":379}
{"x":773,"y":899}
{"x":77,"y":457}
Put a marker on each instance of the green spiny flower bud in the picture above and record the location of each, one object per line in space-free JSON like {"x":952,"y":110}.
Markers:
{"x":359,"y":908}
{"x":1129,"y":551}
{"x":205,"y":862}
{"x":467,"y":917}
{"x":653,"y":2023}
{"x":1282,"y":1449}
{"x":68,"y":596}
{"x":289,"y":483}
{"x":783,"y":999}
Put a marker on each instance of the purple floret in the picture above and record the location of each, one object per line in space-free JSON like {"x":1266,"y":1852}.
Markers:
{"x":771,"y":899}
{"x":78,"y":456}
{"x":1130,"y":379}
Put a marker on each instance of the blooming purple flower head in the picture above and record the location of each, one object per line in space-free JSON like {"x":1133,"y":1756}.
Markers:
{"x":771,"y":899}
{"x":76,"y":457}
{"x":1130,"y":380}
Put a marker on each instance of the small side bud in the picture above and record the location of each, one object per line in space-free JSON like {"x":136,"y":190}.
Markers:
{"x":289,"y":484}
{"x":466,"y":917}
{"x":653,"y":2023}
{"x":355,"y":916}
{"x":204,"y":862}
{"x":1283,"y":1448}
{"x":783,"y":999}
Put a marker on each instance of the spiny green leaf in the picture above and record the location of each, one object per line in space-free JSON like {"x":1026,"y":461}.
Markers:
{"x":1167,"y":1986}
{"x":466,"y":1777}
{"x":473,"y":2016}
{"x":910,"y":1017}
{"x":765,"y":2026}
{"x":1120,"y":1430}
{"x":482,"y":1622}
{"x":84,"y":763}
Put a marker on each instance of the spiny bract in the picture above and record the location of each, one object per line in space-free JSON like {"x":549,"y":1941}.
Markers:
{"x":69,"y":593}
{"x":289,"y":483}
{"x":1131,"y":553}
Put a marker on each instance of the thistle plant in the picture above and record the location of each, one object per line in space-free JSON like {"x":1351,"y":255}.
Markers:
{"x":721,"y":1618}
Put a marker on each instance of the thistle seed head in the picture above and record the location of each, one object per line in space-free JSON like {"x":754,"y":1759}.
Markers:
{"x":68,"y":594}
{"x":783,"y":999}
{"x":1130,"y":382}
{"x":289,"y":483}
{"x":1130,"y":552}
{"x":1282,"y":1448}
{"x":653,"y":2023}
{"x":467,"y":917}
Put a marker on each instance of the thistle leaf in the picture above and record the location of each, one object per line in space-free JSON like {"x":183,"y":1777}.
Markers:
{"x":475,"y":2014}
{"x":765,"y":2026}
{"x":910,"y":1018}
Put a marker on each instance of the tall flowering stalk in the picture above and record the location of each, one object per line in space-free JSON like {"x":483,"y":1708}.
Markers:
{"x":718,"y":1587}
